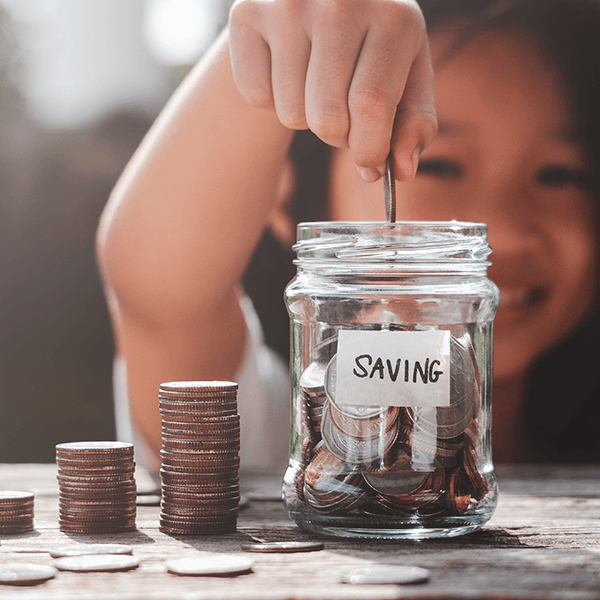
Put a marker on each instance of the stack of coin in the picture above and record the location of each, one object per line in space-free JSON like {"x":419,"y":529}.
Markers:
{"x":16,"y":512}
{"x":200,"y":457}
{"x":97,"y":487}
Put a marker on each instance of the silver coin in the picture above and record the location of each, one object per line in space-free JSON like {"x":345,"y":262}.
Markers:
{"x":218,"y":564}
{"x":25,"y":573}
{"x":396,"y":575}
{"x":389,"y":190}
{"x":98,"y":562}
{"x":353,"y":450}
{"x":283,"y":547}
{"x":11,"y":495}
{"x":351,"y":410}
{"x":95,"y":446}
{"x":87,"y":549}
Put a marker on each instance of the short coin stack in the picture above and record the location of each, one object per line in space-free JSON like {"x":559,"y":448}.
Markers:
{"x":200,"y":457}
{"x":97,"y":487}
{"x":16,"y":512}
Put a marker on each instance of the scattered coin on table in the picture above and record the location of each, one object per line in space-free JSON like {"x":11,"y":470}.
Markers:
{"x":25,"y":573}
{"x":396,"y":575}
{"x":87,"y":549}
{"x":98,"y":562}
{"x":219,"y":565}
{"x":283,"y":547}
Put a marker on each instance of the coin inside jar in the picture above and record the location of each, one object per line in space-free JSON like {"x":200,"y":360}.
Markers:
{"x":398,"y":478}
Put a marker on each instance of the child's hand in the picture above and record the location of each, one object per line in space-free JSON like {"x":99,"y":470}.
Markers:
{"x":356,"y":72}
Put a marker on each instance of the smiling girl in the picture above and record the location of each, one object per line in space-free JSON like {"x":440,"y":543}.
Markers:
{"x":517,"y":149}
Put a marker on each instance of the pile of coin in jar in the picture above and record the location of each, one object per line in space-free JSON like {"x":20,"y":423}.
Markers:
{"x":378,"y":461}
{"x":200,"y":458}
{"x":16,"y":512}
{"x":97,"y":489}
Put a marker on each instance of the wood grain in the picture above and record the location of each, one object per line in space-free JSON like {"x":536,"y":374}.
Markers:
{"x":542,"y":542}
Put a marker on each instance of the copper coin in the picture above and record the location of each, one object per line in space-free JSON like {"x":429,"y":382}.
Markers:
{"x":230,"y":436}
{"x":95,"y":447}
{"x":472,"y":469}
{"x":25,"y":573}
{"x":95,"y":485}
{"x":199,"y":386}
{"x":180,"y":457}
{"x":96,"y":499}
{"x":11,"y":508}
{"x":10,"y":515}
{"x":106,"y":461}
{"x":175,"y":529}
{"x":458,"y":498}
{"x":398,"y":478}
{"x":216,"y":565}
{"x":193,"y":470}
{"x":228,"y":500}
{"x":199,"y":511}
{"x":428,"y":492}
{"x":204,"y":497}
{"x":283,"y":547}
{"x":196,"y":416}
{"x":218,"y":420}
{"x":198,"y":506}
{"x":96,"y":530}
{"x":12,"y":496}
{"x":199,"y":444}
{"x":98,"y":562}
{"x":204,"y":425}
{"x":9,"y":529}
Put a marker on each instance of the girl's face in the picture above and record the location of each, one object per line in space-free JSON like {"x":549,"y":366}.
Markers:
{"x":506,"y":156}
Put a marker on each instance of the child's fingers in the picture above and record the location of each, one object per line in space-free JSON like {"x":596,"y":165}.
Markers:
{"x":415,"y":125}
{"x":383,"y":81}
{"x":250,"y":57}
{"x":336,"y":44}
{"x":290,"y":52}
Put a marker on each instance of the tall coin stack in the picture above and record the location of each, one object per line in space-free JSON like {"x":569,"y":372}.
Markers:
{"x":16,"y":512}
{"x":200,"y":457}
{"x":97,"y":490}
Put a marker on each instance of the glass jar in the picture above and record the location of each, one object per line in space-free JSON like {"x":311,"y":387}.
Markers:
{"x":391,"y":367}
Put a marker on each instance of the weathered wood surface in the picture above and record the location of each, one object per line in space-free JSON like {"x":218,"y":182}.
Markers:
{"x":542,"y":542}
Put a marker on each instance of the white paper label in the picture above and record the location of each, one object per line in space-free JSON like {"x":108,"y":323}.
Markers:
{"x":393,"y":368}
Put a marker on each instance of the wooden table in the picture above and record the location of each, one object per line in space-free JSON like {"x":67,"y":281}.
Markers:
{"x":542,"y":542}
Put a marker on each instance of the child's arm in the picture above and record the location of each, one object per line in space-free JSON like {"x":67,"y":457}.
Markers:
{"x":183,"y":220}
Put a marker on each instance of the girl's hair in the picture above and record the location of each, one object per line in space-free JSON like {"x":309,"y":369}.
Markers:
{"x":562,"y":415}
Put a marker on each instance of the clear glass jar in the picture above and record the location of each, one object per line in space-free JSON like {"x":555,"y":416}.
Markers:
{"x":391,"y":370}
